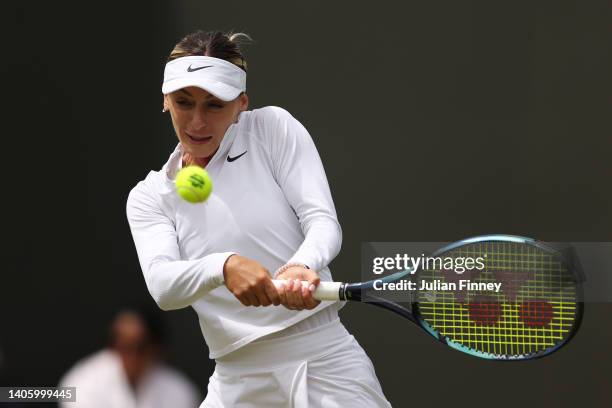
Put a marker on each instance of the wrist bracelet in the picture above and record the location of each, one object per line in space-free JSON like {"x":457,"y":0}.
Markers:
{"x":287,"y":266}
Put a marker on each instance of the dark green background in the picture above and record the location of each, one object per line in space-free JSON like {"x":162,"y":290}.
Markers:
{"x":435,"y":121}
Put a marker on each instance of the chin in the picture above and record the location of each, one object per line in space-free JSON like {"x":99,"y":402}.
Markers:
{"x":198,"y":151}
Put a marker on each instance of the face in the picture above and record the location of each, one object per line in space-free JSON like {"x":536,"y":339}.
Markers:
{"x":200,"y":120}
{"x":134,"y":347}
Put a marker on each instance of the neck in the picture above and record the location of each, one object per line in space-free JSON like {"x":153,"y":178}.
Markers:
{"x":189,"y":160}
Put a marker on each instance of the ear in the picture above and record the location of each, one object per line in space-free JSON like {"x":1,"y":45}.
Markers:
{"x":166,"y":104}
{"x":243,"y":99}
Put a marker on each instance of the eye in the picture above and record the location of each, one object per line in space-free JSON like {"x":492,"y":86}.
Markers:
{"x":215,"y":105}
{"x":183,"y":103}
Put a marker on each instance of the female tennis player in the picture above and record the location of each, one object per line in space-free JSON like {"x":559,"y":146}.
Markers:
{"x":271,"y":215}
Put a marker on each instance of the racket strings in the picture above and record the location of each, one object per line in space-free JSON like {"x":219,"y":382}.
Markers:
{"x":536,"y":308}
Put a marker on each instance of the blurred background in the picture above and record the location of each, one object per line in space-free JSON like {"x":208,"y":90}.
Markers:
{"x":434,"y":120}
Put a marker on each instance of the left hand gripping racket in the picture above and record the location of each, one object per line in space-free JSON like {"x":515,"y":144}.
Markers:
{"x":536,"y":312}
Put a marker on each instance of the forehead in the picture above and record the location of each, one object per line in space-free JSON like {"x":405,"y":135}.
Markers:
{"x":129,"y":327}
{"x":193,"y":92}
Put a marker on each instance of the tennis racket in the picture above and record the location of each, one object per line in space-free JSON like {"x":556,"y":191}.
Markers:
{"x":537,"y":311}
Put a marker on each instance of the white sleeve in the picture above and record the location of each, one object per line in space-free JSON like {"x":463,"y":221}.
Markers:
{"x":300,"y":174}
{"x":172,"y":282}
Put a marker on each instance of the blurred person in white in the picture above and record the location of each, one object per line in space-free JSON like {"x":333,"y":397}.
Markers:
{"x":129,"y":372}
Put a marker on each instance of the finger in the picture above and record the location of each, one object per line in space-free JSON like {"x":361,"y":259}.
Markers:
{"x":262,"y":296}
{"x":309,"y":301}
{"x":253,"y":299}
{"x":290,"y":296}
{"x":244,"y":300}
{"x":271,"y":292}
{"x":282,"y":293}
{"x":295,"y":295}
{"x":288,"y":301}
{"x":313,"y":278}
{"x":287,"y":288}
{"x":242,"y":296}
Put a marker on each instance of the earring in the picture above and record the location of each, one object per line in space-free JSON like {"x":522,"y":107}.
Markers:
{"x":165,"y":109}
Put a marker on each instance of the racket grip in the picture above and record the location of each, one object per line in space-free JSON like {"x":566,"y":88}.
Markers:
{"x":325,"y":290}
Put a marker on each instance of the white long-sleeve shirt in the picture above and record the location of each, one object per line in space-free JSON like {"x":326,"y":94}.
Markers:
{"x":272,"y":204}
{"x":101,"y":382}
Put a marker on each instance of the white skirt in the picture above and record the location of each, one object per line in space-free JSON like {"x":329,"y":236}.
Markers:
{"x":321,"y":366}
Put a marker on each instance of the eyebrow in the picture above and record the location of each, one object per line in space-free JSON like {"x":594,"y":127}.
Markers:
{"x":207,"y":97}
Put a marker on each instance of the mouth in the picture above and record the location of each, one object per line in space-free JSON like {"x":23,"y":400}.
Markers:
{"x":198,"y":139}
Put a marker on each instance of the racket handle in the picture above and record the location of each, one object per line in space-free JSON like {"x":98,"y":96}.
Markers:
{"x":325,"y":290}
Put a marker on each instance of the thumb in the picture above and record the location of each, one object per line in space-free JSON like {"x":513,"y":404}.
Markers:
{"x":313,"y":279}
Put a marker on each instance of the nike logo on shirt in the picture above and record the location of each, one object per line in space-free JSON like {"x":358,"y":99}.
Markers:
{"x":231,"y":159}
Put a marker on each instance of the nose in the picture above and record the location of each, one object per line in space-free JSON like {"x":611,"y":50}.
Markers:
{"x":198,"y":120}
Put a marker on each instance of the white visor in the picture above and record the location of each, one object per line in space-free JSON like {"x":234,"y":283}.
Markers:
{"x":219,"y":77}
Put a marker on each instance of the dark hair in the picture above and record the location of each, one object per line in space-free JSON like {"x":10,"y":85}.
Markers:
{"x":212,"y":44}
{"x":150,"y":318}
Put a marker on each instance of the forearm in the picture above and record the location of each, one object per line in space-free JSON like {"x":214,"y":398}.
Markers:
{"x":177,"y":284}
{"x":322,"y":242}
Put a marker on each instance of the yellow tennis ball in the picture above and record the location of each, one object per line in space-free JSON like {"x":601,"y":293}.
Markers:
{"x":193,"y":184}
